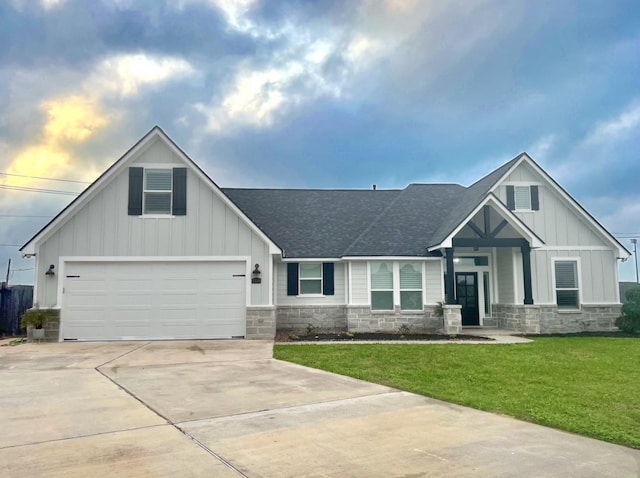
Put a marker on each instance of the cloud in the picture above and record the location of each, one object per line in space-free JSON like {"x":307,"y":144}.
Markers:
{"x":618,"y":128}
{"x":70,"y":120}
{"x":127,"y":74}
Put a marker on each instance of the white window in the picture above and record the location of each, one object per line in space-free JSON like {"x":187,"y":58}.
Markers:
{"x":157,"y":191}
{"x":567,"y":291}
{"x":310,"y":278}
{"x":410,"y":286}
{"x":522,"y":197}
{"x":381,"y":286}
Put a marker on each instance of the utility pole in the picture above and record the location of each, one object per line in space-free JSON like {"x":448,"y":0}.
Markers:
{"x":8,"y":271}
{"x":634,"y":241}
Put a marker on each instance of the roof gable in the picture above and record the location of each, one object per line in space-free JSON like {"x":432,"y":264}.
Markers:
{"x":525,"y":159}
{"x":148,"y":140}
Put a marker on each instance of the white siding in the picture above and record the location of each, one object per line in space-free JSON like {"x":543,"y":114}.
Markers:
{"x":597,"y":281}
{"x":103,"y":228}
{"x":339,"y":296}
{"x":505,"y":277}
{"x":566,"y":234}
{"x":359,"y":283}
{"x":557,"y":222}
{"x":433,"y":282}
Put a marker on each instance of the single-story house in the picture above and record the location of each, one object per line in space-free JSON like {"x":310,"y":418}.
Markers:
{"x":154,"y":249}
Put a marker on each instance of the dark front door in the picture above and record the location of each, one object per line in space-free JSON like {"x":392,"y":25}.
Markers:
{"x":467,"y":295}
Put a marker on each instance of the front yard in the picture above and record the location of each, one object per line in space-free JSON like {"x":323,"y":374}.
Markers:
{"x":586,"y":385}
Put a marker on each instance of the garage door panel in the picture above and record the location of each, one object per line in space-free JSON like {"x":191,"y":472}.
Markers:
{"x":154,"y":300}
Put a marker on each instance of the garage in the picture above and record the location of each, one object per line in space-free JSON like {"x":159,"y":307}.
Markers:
{"x":120,"y":299}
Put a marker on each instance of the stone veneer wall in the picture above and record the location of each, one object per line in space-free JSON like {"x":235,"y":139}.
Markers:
{"x":261,"y":322}
{"x":363,"y":319}
{"x":599,"y":318}
{"x":547,"y":319}
{"x":323,"y":317}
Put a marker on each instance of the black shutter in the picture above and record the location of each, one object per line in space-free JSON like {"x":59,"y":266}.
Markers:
{"x":292,"y":278}
{"x":511,"y":198}
{"x":327,"y":275}
{"x":535,"y":201}
{"x":179,"y":192}
{"x":135,"y":191}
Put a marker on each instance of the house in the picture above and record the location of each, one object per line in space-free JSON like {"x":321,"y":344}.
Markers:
{"x":154,"y":249}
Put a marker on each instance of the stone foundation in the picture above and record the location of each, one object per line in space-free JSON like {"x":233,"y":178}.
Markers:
{"x":327,"y":318}
{"x":363,"y":319}
{"x":261,"y":322}
{"x":590,"y":318}
{"x":546,"y":319}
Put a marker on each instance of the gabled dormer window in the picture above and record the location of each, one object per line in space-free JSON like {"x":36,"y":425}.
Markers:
{"x":523,"y":198}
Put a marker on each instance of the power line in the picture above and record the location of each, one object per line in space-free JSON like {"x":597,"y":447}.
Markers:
{"x":47,"y":179}
{"x":10,"y":245}
{"x":38,"y":190}
{"x":20,"y":270}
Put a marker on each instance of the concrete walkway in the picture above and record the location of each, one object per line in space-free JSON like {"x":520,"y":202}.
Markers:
{"x":226,"y":408}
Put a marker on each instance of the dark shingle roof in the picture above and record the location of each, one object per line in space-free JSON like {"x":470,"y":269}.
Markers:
{"x":312,"y":222}
{"x":326,"y":223}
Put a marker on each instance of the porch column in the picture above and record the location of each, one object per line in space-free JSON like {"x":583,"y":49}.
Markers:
{"x":450,"y":282}
{"x":526,"y":269}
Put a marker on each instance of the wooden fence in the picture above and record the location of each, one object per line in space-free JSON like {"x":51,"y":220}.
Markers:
{"x":14,"y":300}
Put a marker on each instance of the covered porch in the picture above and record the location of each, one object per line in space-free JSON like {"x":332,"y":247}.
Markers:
{"x":487,"y":272}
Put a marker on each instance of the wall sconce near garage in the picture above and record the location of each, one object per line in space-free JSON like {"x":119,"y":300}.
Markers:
{"x":50,"y":271}
{"x":255,"y":275}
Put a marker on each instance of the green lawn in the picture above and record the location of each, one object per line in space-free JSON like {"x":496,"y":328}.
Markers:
{"x":587,"y":385}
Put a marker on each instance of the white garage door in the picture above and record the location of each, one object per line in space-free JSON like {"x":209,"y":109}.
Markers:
{"x":153,"y":300}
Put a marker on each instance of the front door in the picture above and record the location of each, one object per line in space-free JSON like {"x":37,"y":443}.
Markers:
{"x":467,"y":295}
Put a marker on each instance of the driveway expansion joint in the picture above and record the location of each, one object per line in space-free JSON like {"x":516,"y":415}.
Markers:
{"x":82,"y":436}
{"x":123,"y":355}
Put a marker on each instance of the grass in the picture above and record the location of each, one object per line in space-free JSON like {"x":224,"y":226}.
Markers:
{"x":585,"y":385}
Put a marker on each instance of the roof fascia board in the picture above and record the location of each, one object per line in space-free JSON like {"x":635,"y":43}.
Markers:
{"x":511,"y":218}
{"x":623,"y":253}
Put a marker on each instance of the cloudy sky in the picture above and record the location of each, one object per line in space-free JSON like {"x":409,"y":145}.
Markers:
{"x":329,"y":94}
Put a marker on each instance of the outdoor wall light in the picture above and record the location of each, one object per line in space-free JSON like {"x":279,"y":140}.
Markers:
{"x":50,"y":271}
{"x":255,"y":275}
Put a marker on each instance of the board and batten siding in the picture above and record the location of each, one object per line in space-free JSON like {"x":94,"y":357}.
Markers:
{"x":339,"y":297}
{"x":556,"y":223}
{"x":104,"y":228}
{"x":359,"y":283}
{"x":505,"y":277}
{"x":597,"y":281}
{"x":433,"y":282}
{"x":566,"y":234}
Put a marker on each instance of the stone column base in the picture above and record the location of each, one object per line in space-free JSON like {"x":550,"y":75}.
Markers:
{"x":452,"y":319}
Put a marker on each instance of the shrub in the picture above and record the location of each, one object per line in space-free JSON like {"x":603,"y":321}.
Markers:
{"x":38,"y":317}
{"x":629,"y":321}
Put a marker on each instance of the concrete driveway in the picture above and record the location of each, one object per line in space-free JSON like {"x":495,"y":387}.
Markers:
{"x":226,"y":408}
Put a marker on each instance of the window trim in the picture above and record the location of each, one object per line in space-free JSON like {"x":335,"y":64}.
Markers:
{"x":421,"y":290}
{"x":145,"y":191}
{"x":515,"y":197}
{"x":395,"y":287}
{"x":308,"y":279}
{"x":575,"y":260}
{"x":392,"y":290}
